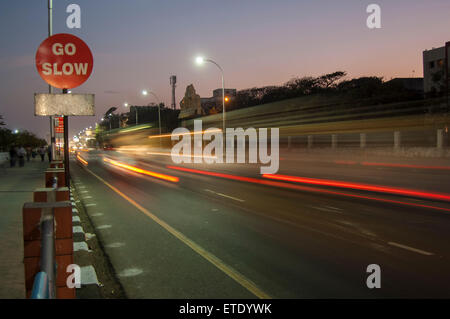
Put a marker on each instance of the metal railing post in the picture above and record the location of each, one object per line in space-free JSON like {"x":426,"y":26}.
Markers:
{"x":47,"y":262}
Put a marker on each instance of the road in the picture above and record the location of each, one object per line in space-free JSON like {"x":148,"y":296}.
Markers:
{"x":214,"y":237}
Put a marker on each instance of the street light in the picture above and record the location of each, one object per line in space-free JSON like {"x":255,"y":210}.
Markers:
{"x":200,"y":60}
{"x":145,"y":93}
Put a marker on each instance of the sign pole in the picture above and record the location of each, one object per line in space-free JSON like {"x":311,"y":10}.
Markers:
{"x":50,"y":89}
{"x":66,"y":147}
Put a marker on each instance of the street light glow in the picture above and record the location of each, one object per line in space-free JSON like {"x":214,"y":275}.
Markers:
{"x":144,"y":92}
{"x":125,"y":104}
{"x":199,"y":60}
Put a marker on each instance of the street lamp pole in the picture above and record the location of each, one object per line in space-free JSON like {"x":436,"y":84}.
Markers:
{"x":145,"y":92}
{"x":200,"y":60}
{"x":159,"y":110}
{"x":136,"y":108}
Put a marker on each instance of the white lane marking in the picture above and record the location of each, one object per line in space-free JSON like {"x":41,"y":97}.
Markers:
{"x":226,"y":196}
{"x":130,"y":272}
{"x":81,"y":186}
{"x":76,"y":219}
{"x":103,"y":227}
{"x":326,"y":209}
{"x":78,"y":246}
{"x":86,"y":197}
{"x":115,"y":245}
{"x":96,"y":215}
{"x":419,"y":251}
{"x":84,"y":192}
{"x":89,"y":205}
{"x":77,"y":229}
{"x":88,"y":276}
{"x":332,"y":207}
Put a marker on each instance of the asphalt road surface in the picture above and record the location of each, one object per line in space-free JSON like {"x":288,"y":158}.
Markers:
{"x":209,"y":236}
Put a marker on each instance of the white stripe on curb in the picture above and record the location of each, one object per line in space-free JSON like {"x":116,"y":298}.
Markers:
{"x":77,"y":229}
{"x":77,"y":246}
{"x":88,"y":276}
{"x":76,"y":219}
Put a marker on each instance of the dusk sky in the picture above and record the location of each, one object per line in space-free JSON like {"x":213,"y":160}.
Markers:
{"x":138,"y":44}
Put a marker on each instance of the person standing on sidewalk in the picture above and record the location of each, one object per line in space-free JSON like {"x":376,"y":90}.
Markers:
{"x":12,"y":156}
{"x":21,"y":154}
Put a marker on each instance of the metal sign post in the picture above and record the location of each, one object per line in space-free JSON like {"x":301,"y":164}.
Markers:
{"x":66,"y":147}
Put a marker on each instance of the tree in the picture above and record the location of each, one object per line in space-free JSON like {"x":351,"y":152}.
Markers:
{"x":24,"y":138}
{"x":329,"y":80}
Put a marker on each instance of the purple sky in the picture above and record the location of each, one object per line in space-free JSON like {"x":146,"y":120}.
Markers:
{"x":138,"y":44}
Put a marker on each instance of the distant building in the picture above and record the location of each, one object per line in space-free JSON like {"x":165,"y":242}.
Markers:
{"x":214,"y":104}
{"x":434,"y":74}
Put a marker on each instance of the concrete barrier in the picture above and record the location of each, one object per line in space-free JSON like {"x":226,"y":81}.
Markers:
{"x":51,"y":194}
{"x":59,"y":173}
{"x":56,"y":164}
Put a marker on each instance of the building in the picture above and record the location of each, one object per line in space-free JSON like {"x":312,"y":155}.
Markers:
{"x":434,"y":75}
{"x":214,"y":104}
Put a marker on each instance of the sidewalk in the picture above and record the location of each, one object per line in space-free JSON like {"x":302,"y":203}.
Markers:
{"x":16,"y":187}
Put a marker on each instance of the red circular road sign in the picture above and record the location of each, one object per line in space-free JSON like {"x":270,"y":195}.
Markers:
{"x":64,"y":61}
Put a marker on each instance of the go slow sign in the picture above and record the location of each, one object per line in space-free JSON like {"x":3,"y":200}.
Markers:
{"x":64,"y":61}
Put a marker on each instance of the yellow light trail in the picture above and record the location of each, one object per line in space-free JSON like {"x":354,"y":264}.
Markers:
{"x":82,"y":160}
{"x":142,"y":171}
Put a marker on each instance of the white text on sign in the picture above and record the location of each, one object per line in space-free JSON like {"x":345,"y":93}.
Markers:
{"x":67,"y":68}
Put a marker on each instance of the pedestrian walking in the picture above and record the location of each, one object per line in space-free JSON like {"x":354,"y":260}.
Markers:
{"x":42,"y":153}
{"x":49,"y":153}
{"x":21,"y":153}
{"x":28,"y":150}
{"x":12,"y":156}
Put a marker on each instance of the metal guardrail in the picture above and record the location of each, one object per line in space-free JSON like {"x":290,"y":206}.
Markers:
{"x":44,"y":285}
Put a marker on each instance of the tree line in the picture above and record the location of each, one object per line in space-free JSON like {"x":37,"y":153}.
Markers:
{"x":373,"y":88}
{"x":25,"y":138}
